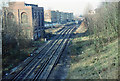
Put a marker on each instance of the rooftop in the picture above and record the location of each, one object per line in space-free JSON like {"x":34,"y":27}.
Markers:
{"x":33,"y":5}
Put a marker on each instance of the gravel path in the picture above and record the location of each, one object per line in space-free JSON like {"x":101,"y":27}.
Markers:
{"x":61,"y":69}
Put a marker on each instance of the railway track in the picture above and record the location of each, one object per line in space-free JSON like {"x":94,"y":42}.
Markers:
{"x":37,"y":52}
{"x":36,"y":67}
{"x":45,"y":62}
{"x":32,"y":66}
{"x":49,"y":64}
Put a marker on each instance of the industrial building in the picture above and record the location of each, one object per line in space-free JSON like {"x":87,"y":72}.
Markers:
{"x":57,"y":17}
{"x":29,"y":16}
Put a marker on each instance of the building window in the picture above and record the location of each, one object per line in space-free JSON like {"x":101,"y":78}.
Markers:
{"x":38,"y":19}
{"x":24,"y":18}
{"x":34,"y":14}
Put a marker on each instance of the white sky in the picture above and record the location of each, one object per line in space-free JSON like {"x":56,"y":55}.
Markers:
{"x":75,"y":6}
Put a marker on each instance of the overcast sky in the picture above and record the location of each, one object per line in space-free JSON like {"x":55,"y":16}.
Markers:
{"x":75,"y":6}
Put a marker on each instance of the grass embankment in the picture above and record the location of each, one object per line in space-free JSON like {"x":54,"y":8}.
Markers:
{"x":15,"y":57}
{"x":87,"y":64}
{"x":53,"y":30}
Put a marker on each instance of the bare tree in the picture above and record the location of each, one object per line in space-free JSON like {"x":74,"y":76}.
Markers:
{"x":103,"y":25}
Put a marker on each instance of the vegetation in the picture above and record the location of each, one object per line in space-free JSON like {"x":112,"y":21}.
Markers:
{"x":103,"y":25}
{"x":51,"y":32}
{"x":95,"y":55}
{"x":16,"y":45}
{"x":87,"y":64}
{"x":12,"y":43}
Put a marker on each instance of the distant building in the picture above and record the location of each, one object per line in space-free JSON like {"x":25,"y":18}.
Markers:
{"x":30,"y":16}
{"x":47,"y":16}
{"x":70,"y":16}
{"x":54,"y":16}
{"x":57,"y":17}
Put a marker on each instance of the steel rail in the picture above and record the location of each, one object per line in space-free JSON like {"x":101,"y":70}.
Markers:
{"x":45,"y":63}
{"x":51,"y":64}
{"x":22,"y":71}
{"x":29,"y":61}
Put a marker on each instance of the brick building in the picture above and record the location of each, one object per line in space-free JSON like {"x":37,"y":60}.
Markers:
{"x":50,"y":16}
{"x":29,"y":16}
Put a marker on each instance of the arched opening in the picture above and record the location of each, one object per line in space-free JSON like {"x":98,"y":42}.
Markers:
{"x":24,"y":18}
{"x":10,"y":16}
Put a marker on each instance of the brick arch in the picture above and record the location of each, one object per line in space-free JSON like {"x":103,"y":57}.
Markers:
{"x":24,"y":17}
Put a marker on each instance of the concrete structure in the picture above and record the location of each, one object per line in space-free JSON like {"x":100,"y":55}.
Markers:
{"x":29,"y":16}
{"x":58,"y":17}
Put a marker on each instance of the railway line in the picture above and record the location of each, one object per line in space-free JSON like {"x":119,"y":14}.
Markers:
{"x":41,"y":64}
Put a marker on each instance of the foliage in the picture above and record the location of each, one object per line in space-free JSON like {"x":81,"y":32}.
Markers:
{"x":103,"y":24}
{"x":86,"y":64}
{"x":95,"y":56}
{"x":13,"y":40}
{"x":12,"y":33}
